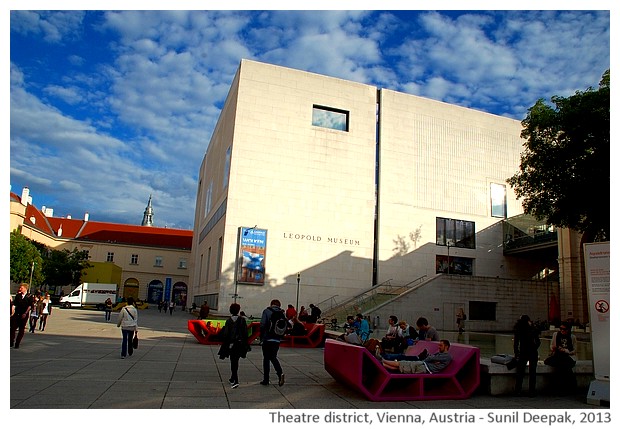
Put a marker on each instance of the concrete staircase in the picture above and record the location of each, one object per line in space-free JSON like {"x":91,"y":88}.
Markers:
{"x":368,"y":300}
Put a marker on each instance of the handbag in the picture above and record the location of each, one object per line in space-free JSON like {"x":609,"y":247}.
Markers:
{"x":503,"y":359}
{"x":134,"y":342}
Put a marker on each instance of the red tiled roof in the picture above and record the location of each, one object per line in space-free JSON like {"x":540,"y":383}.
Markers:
{"x":123,"y":234}
{"x":40,"y":220}
{"x":107,"y":232}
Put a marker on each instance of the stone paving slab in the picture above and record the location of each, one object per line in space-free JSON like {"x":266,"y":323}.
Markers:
{"x":77,"y":365}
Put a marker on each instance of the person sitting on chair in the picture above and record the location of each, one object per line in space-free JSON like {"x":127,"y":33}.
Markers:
{"x":361,"y":334}
{"x":431,"y":364}
{"x":427,"y":332}
{"x":392,"y":338}
{"x":296,"y":327}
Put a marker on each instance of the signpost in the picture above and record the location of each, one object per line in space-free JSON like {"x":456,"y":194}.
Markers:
{"x":597,"y":263}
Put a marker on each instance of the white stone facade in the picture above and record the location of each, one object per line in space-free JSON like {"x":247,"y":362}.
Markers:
{"x":314,"y":188}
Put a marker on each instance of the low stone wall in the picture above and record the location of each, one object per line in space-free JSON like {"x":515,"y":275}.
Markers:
{"x":497,"y":379}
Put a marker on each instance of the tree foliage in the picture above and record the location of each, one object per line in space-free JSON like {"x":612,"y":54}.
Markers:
{"x":565,"y":168}
{"x":51,"y":267}
{"x":23,"y":253}
{"x":64,"y":267}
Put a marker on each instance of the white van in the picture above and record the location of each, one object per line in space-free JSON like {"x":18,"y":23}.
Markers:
{"x":90,"y":294}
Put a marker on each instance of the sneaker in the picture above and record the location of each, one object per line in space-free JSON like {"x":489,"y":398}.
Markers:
{"x":234,"y":385}
{"x":281,"y":380}
{"x":423,"y":355}
{"x":122,"y":357}
{"x":265,"y":382}
{"x":231,"y":381}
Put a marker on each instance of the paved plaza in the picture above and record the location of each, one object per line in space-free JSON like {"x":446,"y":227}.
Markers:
{"x":75,"y":364}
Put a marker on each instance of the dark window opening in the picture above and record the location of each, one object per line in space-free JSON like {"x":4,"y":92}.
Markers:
{"x":328,"y":117}
{"x":482,"y":310}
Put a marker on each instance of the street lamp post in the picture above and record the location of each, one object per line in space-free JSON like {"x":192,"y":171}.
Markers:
{"x":297,"y":302}
{"x":31,"y":272}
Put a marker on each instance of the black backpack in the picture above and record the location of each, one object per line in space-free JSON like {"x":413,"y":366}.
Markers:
{"x":277,"y":324}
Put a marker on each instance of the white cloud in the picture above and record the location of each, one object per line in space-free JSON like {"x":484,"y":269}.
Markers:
{"x":53,"y":26}
{"x":69,"y":95}
{"x":516,"y":55}
{"x":141,"y":115}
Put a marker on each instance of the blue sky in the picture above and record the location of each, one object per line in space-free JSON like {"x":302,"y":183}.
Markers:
{"x":107,"y":108}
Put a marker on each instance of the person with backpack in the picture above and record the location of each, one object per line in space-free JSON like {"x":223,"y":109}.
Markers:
{"x":273,"y":325}
{"x":234,"y":336}
{"x":315,"y":314}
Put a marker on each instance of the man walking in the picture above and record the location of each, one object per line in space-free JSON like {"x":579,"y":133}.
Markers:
{"x":20,"y":313}
{"x":270,"y":339}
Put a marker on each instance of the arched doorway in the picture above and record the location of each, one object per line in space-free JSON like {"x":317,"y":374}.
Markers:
{"x":131,"y":289}
{"x":179,"y":294}
{"x":155,"y":292}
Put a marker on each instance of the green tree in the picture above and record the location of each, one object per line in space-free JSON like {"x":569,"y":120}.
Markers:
{"x":565,"y":169}
{"x":64,"y":267}
{"x":22,"y":255}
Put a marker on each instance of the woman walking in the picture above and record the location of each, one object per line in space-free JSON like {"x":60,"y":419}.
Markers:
{"x":128,"y":322}
{"x":34,"y":312}
{"x":45,"y":309}
{"x":234,"y":336}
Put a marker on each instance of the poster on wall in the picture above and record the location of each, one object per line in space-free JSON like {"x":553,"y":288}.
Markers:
{"x":251,"y":257}
{"x":597,"y":263}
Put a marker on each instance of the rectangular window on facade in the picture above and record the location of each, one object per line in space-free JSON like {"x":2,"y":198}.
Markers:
{"x":328,"y":117}
{"x":226,"y":168}
{"x":134,"y":259}
{"x":110,"y":257}
{"x":456,"y":265}
{"x":208,"y":197}
{"x":208,"y":265}
{"x":183,"y":263}
{"x":498,"y":200}
{"x":220,"y":249}
{"x":482,"y":310}
{"x":159,"y":261}
{"x":455,"y":233}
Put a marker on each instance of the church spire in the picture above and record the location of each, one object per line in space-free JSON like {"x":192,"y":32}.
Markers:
{"x":147,"y":220}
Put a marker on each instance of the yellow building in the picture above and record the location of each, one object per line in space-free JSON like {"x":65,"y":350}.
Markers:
{"x":150,"y":263}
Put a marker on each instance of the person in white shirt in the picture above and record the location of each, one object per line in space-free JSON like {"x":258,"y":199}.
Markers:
{"x":46,"y":310}
{"x":128,"y":322}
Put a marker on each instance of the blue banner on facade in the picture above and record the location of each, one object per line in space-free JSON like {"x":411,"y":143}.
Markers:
{"x":252,"y":251}
{"x":168,"y":290}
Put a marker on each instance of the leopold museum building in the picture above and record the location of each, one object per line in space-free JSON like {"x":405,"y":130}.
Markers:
{"x":315,"y":189}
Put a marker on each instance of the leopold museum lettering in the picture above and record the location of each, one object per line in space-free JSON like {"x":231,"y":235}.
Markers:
{"x":318,"y":238}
